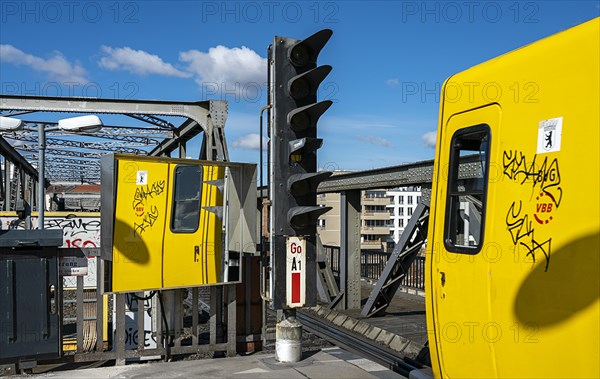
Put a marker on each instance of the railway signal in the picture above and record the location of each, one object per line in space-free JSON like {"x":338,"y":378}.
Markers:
{"x":294,"y":81}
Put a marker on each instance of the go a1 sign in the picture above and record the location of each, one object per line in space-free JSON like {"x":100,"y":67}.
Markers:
{"x":295,"y":271}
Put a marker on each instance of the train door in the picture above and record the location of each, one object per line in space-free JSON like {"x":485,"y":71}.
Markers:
{"x":460,"y":279}
{"x":193,"y":244}
{"x":139,"y":224}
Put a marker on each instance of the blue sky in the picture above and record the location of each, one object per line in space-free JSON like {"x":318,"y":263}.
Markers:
{"x":389,"y":59}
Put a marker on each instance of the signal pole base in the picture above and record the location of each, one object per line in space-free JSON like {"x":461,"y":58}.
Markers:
{"x":288,"y":338}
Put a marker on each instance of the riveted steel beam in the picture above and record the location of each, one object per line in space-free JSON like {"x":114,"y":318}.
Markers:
{"x":411,"y":174}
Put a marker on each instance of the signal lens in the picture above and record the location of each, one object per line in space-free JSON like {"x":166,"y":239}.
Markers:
{"x":300,"y":89}
{"x":300,"y":55}
{"x":300,"y":122}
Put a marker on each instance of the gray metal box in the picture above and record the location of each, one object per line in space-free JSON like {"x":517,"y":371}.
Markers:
{"x":30,"y":293}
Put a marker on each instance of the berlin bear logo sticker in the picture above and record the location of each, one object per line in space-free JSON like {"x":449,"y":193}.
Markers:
{"x":549,"y":135}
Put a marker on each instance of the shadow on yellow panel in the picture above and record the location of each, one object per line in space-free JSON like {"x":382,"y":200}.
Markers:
{"x":129,"y":246}
{"x":569,"y":286}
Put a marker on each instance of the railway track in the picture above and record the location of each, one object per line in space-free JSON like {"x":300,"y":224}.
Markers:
{"x":357,"y":344}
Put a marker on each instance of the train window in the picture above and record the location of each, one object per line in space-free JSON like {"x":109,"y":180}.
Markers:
{"x":187,"y":194}
{"x":465,"y":203}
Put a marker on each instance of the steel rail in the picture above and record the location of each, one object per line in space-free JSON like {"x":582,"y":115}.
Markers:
{"x":357,"y":344}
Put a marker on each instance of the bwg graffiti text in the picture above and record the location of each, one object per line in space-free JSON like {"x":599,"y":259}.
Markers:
{"x":544,"y":178}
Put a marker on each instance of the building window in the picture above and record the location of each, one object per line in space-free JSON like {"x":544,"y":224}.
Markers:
{"x":322,"y":223}
{"x":410,"y":199}
{"x":465,"y":203}
{"x":375,"y":222}
{"x":401,"y":199}
{"x":410,"y":211}
{"x":402,"y":223}
{"x":375,"y":194}
{"x":401,"y":211}
{"x":186,"y":199}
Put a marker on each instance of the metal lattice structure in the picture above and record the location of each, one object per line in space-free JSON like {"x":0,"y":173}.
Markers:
{"x":74,"y":158}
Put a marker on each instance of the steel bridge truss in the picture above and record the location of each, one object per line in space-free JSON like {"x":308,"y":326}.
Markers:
{"x":75,"y":157}
{"x":70,"y":159}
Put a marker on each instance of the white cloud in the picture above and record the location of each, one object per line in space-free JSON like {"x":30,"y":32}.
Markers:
{"x":393,"y":82}
{"x":429,"y":139}
{"x":57,"y":67}
{"x":232,"y":68}
{"x":250,"y":141}
{"x":137,"y":62}
{"x":375,"y":141}
{"x":238,"y":70}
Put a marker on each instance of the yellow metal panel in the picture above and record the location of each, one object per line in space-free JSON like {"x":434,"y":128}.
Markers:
{"x":140,"y":217}
{"x":195,"y":258}
{"x":531,"y":297}
{"x":462,"y":299}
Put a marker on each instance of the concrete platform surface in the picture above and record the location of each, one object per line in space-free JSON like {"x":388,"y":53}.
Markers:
{"x":328,"y":363}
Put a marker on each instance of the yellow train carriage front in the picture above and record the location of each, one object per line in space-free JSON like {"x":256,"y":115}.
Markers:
{"x":167,"y":223}
{"x":513,"y":264}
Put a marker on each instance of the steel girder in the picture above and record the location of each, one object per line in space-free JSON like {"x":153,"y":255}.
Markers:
{"x":57,"y":144}
{"x":204,"y":116}
{"x":411,"y":174}
{"x":124,"y":140}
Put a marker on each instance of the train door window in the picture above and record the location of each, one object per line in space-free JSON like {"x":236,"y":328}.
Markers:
{"x":187,"y":194}
{"x":465,"y":203}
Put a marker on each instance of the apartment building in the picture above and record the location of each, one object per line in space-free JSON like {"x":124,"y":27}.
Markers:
{"x":328,"y":227}
{"x":402,"y":203}
{"x":384,"y":215}
{"x":375,"y":219}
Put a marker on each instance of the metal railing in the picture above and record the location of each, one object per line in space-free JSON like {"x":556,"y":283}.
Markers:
{"x":372,"y":265}
{"x":332,"y":257}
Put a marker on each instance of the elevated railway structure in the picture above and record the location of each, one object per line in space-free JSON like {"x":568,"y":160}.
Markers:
{"x":73,"y":159}
{"x":504,"y":179}
{"x":71,"y":162}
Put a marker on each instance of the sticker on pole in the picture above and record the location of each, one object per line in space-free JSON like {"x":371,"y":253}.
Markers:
{"x":73,"y":266}
{"x":295,"y":271}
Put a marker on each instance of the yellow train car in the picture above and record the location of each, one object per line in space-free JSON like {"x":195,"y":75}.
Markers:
{"x":172,"y":223}
{"x":513,"y":251}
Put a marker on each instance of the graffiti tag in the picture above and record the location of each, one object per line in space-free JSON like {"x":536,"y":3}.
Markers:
{"x":522,"y":233}
{"x":142,"y":193}
{"x":544,"y":176}
{"x":147,"y":221}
